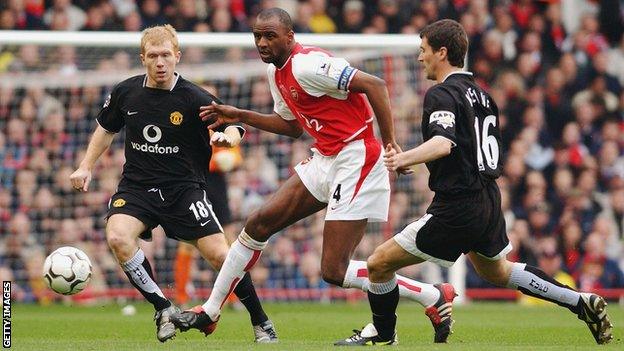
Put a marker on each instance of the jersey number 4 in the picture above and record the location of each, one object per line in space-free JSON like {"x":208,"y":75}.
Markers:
{"x":487,"y":145}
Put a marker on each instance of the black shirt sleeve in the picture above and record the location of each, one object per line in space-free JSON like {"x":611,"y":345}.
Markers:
{"x":110,"y":117}
{"x":439,"y":115}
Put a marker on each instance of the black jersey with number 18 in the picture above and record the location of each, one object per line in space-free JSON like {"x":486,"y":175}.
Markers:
{"x":459,"y":110}
{"x":166,"y":141}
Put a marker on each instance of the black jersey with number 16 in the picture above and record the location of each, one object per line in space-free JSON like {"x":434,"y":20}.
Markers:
{"x":459,"y":110}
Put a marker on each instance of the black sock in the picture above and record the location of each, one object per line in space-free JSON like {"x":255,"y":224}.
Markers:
{"x":246,"y":293}
{"x":384,"y":312}
{"x":136,"y":269}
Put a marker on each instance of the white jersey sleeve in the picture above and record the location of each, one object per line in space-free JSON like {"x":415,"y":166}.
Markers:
{"x":319,"y":74}
{"x":279,"y":105}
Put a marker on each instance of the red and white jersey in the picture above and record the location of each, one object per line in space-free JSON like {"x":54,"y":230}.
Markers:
{"x":313,"y":87}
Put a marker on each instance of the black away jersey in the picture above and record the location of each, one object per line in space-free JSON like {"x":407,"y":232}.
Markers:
{"x":166,"y":141}
{"x":459,"y":110}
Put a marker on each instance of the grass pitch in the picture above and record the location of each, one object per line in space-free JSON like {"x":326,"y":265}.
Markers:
{"x":309,"y":326}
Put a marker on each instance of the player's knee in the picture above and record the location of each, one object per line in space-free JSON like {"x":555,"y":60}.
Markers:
{"x":216,"y":260}
{"x":120,"y":243}
{"x":258,"y":228}
{"x":377,"y":265}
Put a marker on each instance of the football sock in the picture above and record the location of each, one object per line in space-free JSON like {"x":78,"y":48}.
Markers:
{"x":181,"y":275}
{"x":383,"y":299}
{"x":423,"y":293}
{"x":242,"y":256}
{"x":246,"y":293}
{"x":534,"y":282}
{"x":140,"y":273}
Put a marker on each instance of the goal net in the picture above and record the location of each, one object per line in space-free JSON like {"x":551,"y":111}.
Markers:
{"x":53,"y":85}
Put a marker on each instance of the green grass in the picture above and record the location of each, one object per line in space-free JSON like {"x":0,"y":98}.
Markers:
{"x":479,"y":326}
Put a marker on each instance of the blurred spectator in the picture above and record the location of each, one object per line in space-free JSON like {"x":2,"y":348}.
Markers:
{"x":25,"y":14}
{"x":598,"y":271}
{"x":353,"y":17}
{"x":63,"y":15}
{"x":320,"y":22}
{"x":185,"y":16}
{"x":151,"y":13}
{"x":302,"y":20}
{"x":505,"y":33}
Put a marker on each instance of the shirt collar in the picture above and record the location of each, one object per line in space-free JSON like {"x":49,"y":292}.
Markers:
{"x":457,"y":72}
{"x":175,"y":80}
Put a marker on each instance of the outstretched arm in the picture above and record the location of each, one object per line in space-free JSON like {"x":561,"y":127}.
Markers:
{"x":433,"y":149}
{"x":100,"y":141}
{"x":220,"y":114}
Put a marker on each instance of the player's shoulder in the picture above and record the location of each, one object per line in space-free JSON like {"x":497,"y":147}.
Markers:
{"x":440,"y":92}
{"x":133,"y":82}
{"x":313,"y":61}
{"x":314,"y":51}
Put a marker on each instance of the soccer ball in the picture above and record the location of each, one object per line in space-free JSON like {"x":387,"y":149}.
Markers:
{"x":67,"y":270}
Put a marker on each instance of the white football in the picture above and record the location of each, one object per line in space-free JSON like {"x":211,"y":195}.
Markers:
{"x":67,"y":270}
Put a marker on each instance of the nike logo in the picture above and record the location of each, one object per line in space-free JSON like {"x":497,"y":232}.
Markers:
{"x":132,"y":113}
{"x":203,"y":224}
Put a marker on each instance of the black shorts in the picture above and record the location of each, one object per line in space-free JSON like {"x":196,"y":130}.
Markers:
{"x":455,"y":226}
{"x":184,"y":211}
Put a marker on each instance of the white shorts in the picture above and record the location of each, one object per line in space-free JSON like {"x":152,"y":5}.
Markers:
{"x":355,"y":184}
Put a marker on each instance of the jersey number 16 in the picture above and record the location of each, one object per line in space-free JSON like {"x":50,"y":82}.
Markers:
{"x":487,"y":145}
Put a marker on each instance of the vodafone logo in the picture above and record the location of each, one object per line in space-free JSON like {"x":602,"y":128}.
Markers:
{"x":152,"y":133}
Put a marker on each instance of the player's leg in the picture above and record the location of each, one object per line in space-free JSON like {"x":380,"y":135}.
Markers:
{"x":384,"y":291}
{"x":122,"y":231}
{"x":488,"y":257}
{"x":361,"y":189}
{"x":358,"y":277}
{"x":290,"y":203}
{"x":182,"y":271}
{"x":529,"y":280}
{"x":214,"y":249}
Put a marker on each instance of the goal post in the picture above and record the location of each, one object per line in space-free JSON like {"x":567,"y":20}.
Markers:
{"x":45,"y":72}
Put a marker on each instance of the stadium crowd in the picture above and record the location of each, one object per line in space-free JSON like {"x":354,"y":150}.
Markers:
{"x":555,"y":69}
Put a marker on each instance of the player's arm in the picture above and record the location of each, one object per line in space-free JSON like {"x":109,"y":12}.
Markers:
{"x":274,"y":123}
{"x":110,"y":121}
{"x":433,"y":149}
{"x":100,"y":141}
{"x":439,"y":117}
{"x":377,"y":94}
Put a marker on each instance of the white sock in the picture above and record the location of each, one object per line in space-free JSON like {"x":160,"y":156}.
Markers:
{"x":242,"y":256}
{"x":424,"y":294}
{"x":530,"y":283}
{"x":138,"y":274}
{"x":383,"y":288}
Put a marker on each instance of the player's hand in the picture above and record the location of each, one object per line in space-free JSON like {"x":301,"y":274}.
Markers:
{"x":80,"y":179}
{"x":391,"y":158}
{"x":396,"y":149}
{"x":221,"y":139}
{"x":219,"y":114}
